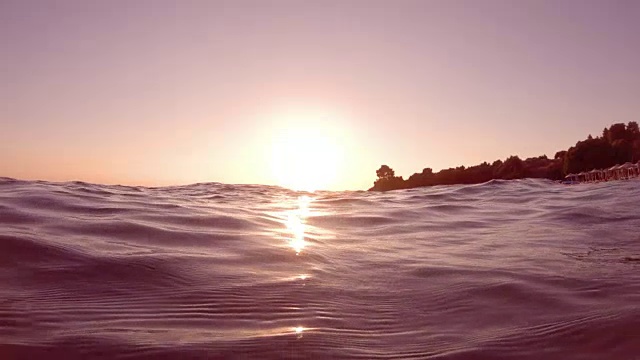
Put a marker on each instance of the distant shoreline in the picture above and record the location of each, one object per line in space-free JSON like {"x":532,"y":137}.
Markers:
{"x":618,"y":144}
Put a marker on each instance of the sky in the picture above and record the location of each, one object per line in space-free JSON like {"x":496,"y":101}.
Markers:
{"x":177,"y":92}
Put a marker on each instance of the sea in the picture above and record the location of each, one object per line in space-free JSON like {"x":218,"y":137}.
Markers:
{"x":523,"y":269}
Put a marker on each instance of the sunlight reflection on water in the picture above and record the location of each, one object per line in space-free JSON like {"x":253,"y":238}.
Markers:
{"x":296,"y":224}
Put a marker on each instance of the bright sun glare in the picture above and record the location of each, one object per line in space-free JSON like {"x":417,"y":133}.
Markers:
{"x":305,"y":159}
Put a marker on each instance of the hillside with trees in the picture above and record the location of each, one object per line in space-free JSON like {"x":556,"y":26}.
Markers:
{"x":618,"y":144}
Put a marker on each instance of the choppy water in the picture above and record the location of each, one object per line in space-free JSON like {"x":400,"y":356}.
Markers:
{"x":504,"y":270}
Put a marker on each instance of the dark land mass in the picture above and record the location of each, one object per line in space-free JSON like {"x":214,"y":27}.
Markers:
{"x":618,"y":144}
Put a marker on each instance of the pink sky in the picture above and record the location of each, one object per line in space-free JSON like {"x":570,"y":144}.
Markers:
{"x":176,"y":92}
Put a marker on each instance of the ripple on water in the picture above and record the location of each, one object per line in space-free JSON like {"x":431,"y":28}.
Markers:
{"x":524,"y":269}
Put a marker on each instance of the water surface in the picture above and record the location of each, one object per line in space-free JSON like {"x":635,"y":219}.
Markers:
{"x":525,"y":269}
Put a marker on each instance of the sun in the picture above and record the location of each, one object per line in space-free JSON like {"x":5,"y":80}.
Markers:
{"x":305,"y":159}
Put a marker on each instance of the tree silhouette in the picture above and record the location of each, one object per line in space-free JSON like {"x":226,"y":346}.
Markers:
{"x":617,"y":132}
{"x":560,"y":154}
{"x":385,"y":172}
{"x":512,"y":168}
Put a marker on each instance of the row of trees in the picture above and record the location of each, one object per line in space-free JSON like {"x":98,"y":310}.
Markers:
{"x":618,"y":144}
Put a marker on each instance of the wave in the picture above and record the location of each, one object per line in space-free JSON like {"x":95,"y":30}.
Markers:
{"x":523,"y":269}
